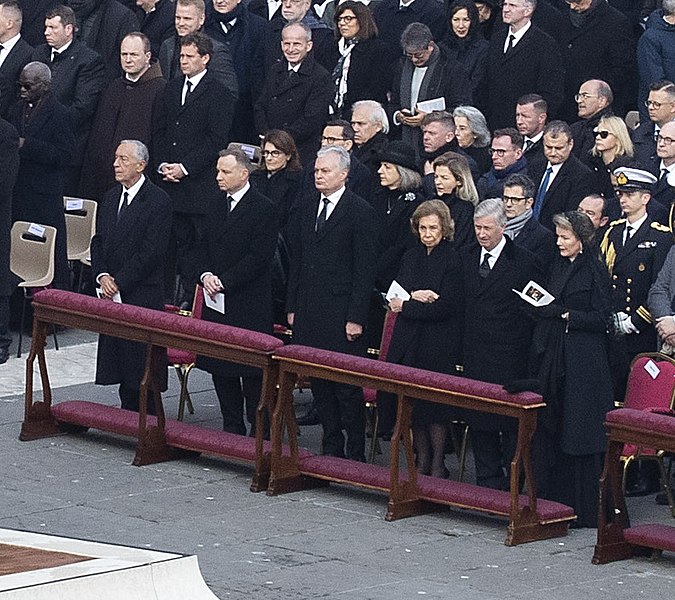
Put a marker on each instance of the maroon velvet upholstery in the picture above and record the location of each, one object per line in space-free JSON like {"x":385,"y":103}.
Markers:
{"x":405,"y":374}
{"x":485,"y":499}
{"x":175,"y":356}
{"x":370,"y":394}
{"x":348,"y":471}
{"x":651,"y":536}
{"x":99,"y":416}
{"x":178,"y":434}
{"x":159,"y":320}
{"x":642,"y":419}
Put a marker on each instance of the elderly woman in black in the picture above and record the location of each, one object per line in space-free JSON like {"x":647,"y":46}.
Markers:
{"x":362,"y":71}
{"x":428,"y":331}
{"x":465,"y":42}
{"x":571,"y":362}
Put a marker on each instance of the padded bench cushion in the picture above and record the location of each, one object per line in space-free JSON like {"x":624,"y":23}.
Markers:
{"x":421,"y":377}
{"x":343,"y":470}
{"x":651,"y":536}
{"x":159,"y":320}
{"x":642,"y":419}
{"x":180,"y":435}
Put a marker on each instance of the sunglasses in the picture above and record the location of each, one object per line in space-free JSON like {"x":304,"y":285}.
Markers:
{"x":601,"y":134}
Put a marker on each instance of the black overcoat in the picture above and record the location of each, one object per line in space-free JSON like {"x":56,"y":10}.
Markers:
{"x":192,"y":135}
{"x":18,"y":57}
{"x":9,"y":159}
{"x":132,"y":250}
{"x":238,"y":247}
{"x":369,"y":75}
{"x":332,"y":272}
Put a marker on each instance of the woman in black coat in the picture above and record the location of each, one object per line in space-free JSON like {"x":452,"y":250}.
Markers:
{"x":428,"y":331}
{"x":455,"y":186}
{"x":571,"y":362}
{"x":465,"y":42}
{"x":362,"y":71}
{"x":473,"y":135}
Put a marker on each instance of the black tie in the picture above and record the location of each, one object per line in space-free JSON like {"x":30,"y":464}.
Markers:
{"x":1,"y":48}
{"x":55,"y":56}
{"x":188,"y":85}
{"x":629,"y":234}
{"x":528,"y":145}
{"x":125,"y":205}
{"x":323,"y":215}
{"x":230,"y":200}
{"x":510,"y":46}
{"x":664,"y":174}
{"x":484,"y":269}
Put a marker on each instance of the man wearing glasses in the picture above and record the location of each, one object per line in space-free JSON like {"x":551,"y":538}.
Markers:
{"x":664,"y":192}
{"x":660,"y":106}
{"x":597,"y":40}
{"x":594,"y":101}
{"x":563,"y":180}
{"x":521,"y":227}
{"x":507,"y":158}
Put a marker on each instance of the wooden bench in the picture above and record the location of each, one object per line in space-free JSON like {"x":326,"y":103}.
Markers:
{"x":158,"y":439}
{"x":617,"y":537}
{"x":529,"y":518}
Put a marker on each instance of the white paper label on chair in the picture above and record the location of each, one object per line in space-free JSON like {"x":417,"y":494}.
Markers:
{"x":36,"y":229}
{"x":74,"y":204}
{"x":248,"y":151}
{"x":652,"y":369}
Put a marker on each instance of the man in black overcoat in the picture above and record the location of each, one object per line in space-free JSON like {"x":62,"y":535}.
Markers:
{"x":522,"y":59}
{"x":371,"y":126}
{"x":14,"y":56}
{"x":661,"y":110}
{"x":497,"y":333}
{"x":78,"y":78}
{"x":46,"y":143}
{"x":34,"y":12}
{"x":235,"y":258}
{"x":296,"y":94}
{"x":594,"y":101}
{"x":332,"y":276}
{"x":127,"y":257}
{"x":155,"y":18}
{"x":531,"y":117}
{"x":563,"y":180}
{"x":9,"y":159}
{"x":193,"y":124}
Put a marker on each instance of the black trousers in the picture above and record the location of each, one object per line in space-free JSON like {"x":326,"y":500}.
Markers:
{"x":233,"y":394}
{"x":129,"y":397}
{"x":340,"y":406}
{"x":5,"y":336}
{"x":493,"y":452}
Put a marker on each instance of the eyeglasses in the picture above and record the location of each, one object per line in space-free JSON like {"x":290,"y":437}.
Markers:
{"x":332,"y":140}
{"x":513,"y":199}
{"x":347,"y":19}
{"x":583,"y":96}
{"x":570,"y":2}
{"x":603,"y":135}
{"x":272,"y":153}
{"x":666,"y":141}
{"x":497,"y":151}
{"x":656,"y":105}
{"x":419,"y":55}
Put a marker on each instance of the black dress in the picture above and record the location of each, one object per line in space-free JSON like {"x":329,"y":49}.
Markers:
{"x":571,"y":361}
{"x":461,"y":212}
{"x":429,"y":336}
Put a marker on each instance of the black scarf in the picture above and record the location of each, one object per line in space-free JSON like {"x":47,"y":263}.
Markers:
{"x":579,"y":19}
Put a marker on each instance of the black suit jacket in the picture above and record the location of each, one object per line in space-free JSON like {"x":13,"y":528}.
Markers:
{"x":539,"y":241}
{"x":192,"y":134}
{"x":332,"y":272}
{"x":11,"y":68}
{"x":33,"y":26}
{"x":573,"y":182}
{"x":220,"y":64}
{"x":132,"y":250}
{"x":532,"y":66}
{"x":158,"y":25}
{"x":644,"y":147}
{"x":239,"y":247}
{"x":297,"y":103}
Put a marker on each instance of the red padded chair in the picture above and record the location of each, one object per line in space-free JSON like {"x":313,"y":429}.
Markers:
{"x":182,"y":360}
{"x":651,"y":386}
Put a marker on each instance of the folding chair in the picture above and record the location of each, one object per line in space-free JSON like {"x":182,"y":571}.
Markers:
{"x":254,"y":153}
{"x":31,"y":259}
{"x":80,"y":228}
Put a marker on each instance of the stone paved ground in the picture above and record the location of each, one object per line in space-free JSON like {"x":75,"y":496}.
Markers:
{"x":327,"y":543}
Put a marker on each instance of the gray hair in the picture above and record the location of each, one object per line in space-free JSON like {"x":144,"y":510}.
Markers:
{"x":492,"y":207}
{"x":305,"y":28}
{"x":376,"y":113}
{"x":38,"y":70}
{"x":140,"y":148}
{"x":410,"y":180}
{"x":344,"y":161}
{"x":416,"y":36}
{"x":477,"y":122}
{"x":668,"y":7}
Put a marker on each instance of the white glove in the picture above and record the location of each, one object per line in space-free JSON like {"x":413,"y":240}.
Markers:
{"x":623,"y":324}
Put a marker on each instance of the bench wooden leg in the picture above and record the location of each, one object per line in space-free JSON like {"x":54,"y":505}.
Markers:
{"x":264,"y":412}
{"x":152,"y":447}
{"x":38,"y":421}
{"x":613,"y":514}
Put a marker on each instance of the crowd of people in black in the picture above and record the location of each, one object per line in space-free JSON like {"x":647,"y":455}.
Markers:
{"x":459,"y":150}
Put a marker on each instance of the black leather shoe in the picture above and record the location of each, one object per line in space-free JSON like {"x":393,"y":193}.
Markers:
{"x":662,"y":499}
{"x":311,"y":418}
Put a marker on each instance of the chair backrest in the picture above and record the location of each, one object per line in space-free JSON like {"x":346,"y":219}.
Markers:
{"x":198,"y":302}
{"x":80,"y":225}
{"x":387,"y":333}
{"x":632,"y":119}
{"x":32,"y":253}
{"x":254,"y":153}
{"x":651,"y":382}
